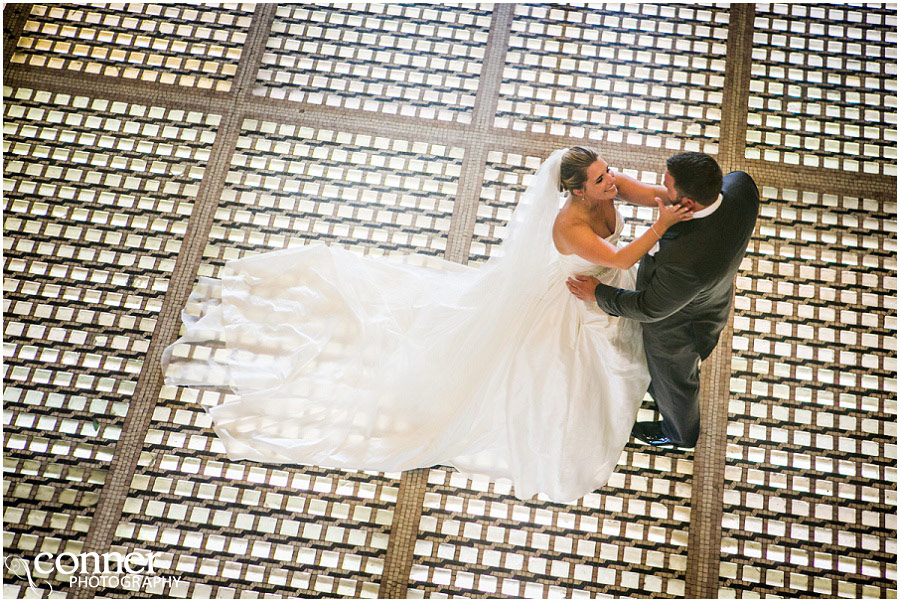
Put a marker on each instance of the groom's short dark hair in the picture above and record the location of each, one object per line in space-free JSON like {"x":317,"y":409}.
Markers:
{"x":697,"y":176}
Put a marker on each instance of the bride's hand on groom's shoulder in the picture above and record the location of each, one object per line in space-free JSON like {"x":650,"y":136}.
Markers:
{"x":669,"y":215}
{"x":583,"y":287}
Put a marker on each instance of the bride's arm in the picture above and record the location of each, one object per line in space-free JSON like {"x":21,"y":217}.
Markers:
{"x":585,"y":243}
{"x":637,"y":193}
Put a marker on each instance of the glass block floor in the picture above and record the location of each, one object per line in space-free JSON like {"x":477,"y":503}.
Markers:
{"x":146,"y":145}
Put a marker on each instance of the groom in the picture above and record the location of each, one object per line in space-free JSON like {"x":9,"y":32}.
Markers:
{"x":684,"y":289}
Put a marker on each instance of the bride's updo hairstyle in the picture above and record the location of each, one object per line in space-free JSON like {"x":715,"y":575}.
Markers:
{"x":573,"y":167}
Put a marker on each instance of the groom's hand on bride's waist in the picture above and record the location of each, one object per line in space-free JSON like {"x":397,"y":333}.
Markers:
{"x":583,"y":287}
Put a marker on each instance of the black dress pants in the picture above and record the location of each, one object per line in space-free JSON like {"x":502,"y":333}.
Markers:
{"x":674,"y":381}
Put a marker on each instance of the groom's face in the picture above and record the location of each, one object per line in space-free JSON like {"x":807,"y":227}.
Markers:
{"x":669,"y":183}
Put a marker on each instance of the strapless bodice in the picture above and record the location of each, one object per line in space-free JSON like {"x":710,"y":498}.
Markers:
{"x":573,"y":264}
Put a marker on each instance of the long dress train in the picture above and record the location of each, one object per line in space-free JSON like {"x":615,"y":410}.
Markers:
{"x":382,"y":363}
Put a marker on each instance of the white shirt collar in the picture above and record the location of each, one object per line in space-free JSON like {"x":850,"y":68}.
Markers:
{"x":709,"y":210}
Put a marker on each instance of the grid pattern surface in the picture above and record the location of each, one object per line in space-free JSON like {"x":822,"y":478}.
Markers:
{"x":413,"y":60}
{"x":195,"y":46}
{"x":291,"y":185}
{"x":316,"y":532}
{"x":642,"y":74}
{"x":97,"y":195}
{"x":824,"y":87}
{"x":810,"y":491}
{"x":222,"y":527}
{"x":389,"y":129}
{"x":626,"y":539}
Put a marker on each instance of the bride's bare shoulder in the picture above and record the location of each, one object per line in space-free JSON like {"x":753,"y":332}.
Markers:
{"x":567,"y":219}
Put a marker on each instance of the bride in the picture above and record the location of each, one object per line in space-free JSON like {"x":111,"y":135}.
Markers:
{"x":390,"y":364}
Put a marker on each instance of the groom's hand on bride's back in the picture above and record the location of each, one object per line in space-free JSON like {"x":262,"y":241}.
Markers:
{"x":583,"y":287}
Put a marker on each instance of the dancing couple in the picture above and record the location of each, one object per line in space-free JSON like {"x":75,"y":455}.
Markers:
{"x":531,"y":367}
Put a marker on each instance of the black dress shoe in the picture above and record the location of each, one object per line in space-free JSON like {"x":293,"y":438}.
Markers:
{"x":651,"y":433}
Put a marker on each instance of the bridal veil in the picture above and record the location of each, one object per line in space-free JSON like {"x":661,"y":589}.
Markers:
{"x":393,"y":363}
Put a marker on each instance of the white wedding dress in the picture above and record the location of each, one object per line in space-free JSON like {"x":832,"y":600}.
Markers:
{"x":388,"y":364}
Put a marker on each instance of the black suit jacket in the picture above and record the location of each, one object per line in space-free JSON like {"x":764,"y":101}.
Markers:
{"x":684,"y":291}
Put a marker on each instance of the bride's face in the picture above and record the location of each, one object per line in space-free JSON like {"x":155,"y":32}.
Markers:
{"x":600,"y":184}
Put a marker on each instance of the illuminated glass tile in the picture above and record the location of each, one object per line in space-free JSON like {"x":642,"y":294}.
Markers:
{"x":411,"y":60}
{"x":472,"y":528}
{"x":642,"y":74}
{"x":310,"y":530}
{"x":811,"y":435}
{"x":98,"y":193}
{"x":97,"y":198}
{"x":193,"y":46}
{"x":290,"y":186}
{"x":823,"y":90}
